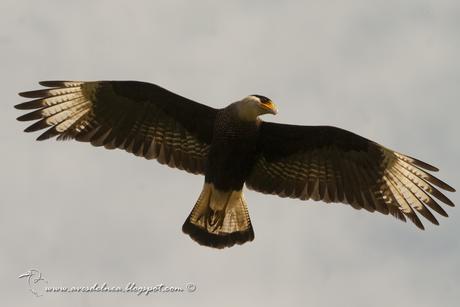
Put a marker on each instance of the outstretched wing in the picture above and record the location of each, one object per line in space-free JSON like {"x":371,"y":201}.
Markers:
{"x":335,"y":165}
{"x":138,"y":117}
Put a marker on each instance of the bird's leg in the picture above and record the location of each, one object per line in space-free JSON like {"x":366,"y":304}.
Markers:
{"x":215,"y":219}
{"x":217,"y":209}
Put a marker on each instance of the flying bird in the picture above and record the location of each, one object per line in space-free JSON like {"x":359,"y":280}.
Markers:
{"x":232,"y":147}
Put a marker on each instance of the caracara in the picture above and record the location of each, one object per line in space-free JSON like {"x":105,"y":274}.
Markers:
{"x":231,"y":147}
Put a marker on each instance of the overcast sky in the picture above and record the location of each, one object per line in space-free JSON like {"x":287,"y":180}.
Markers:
{"x":388,"y":70}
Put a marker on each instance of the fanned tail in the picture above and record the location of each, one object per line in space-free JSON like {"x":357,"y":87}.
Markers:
{"x":219,"y":219}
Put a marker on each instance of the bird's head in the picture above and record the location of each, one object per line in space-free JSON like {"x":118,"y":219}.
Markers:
{"x":250,"y":107}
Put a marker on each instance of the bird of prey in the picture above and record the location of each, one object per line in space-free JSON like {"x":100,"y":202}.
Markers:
{"x":232,"y":147}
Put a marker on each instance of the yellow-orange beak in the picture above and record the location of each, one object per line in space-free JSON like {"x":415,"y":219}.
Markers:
{"x":270,"y":107}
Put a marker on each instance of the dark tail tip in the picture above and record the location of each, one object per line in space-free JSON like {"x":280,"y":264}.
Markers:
{"x":202,"y":237}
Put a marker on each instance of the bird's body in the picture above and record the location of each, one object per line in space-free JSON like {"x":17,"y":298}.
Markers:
{"x":232,"y":147}
{"x":231,"y":157}
{"x":233,"y":150}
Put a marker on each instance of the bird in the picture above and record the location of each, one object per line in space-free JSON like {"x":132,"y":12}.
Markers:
{"x":233,"y":147}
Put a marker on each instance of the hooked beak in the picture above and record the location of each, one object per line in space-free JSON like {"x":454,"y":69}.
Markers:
{"x":270,"y":107}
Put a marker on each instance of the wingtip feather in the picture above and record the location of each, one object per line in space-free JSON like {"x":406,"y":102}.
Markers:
{"x":52,"y":83}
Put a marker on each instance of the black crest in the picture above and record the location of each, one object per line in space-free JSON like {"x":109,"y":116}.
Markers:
{"x":263,"y":99}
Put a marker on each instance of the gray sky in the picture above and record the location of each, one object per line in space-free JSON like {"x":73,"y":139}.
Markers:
{"x":388,"y":70}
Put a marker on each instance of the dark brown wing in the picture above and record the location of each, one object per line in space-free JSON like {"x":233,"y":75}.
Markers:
{"x":334,"y":165}
{"x":138,"y":117}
